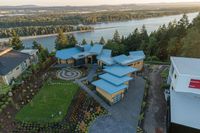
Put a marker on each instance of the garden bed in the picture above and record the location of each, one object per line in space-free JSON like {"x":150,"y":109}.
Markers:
{"x":82,"y":111}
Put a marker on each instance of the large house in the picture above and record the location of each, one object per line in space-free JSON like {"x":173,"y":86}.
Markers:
{"x":184,"y":96}
{"x":79,"y":55}
{"x":12,"y":64}
{"x":113,"y":83}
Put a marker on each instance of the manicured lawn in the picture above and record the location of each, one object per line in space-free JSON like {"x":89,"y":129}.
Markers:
{"x":53,"y":98}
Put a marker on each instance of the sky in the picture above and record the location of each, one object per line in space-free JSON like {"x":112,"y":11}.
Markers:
{"x":83,"y":2}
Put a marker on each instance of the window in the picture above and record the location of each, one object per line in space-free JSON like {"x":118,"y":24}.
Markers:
{"x":172,"y":88}
{"x":175,"y":76}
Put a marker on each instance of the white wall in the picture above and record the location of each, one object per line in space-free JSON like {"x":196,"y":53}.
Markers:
{"x":16,"y":71}
{"x":181,"y":82}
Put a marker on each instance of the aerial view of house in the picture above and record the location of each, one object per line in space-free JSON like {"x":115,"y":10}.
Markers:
{"x":113,"y":84}
{"x":99,"y":66}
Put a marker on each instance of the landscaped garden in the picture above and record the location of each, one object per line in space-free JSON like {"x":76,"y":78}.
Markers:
{"x":50,"y":104}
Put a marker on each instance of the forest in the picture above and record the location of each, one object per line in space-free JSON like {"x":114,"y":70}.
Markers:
{"x":175,"y":39}
{"x":41,"y":30}
{"x":34,"y":22}
{"x":178,"y":38}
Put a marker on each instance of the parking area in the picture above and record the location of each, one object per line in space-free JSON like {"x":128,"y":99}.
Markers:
{"x":124,"y":115}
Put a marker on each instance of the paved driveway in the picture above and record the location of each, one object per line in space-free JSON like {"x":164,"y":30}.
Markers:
{"x":123,"y":117}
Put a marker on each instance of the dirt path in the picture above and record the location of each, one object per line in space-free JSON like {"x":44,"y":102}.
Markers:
{"x":155,"y":113}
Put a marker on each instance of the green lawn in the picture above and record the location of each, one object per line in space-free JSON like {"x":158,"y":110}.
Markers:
{"x":53,"y":98}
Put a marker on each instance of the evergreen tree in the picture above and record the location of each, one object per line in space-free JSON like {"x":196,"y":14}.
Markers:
{"x":61,"y":40}
{"x":144,"y":34}
{"x":116,"y":37}
{"x":102,"y":41}
{"x":92,"y":43}
{"x":84,"y":42}
{"x":38,"y":46}
{"x":15,"y":42}
{"x":72,"y":40}
{"x":191,"y":47}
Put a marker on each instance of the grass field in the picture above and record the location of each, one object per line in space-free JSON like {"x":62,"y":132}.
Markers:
{"x":50,"y":104}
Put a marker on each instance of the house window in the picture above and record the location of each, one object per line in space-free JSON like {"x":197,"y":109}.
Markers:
{"x":175,"y":76}
{"x":172,"y":88}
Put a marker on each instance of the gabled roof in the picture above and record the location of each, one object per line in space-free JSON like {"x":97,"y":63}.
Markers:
{"x":137,"y":55}
{"x":105,"y":57}
{"x":115,"y":80}
{"x":96,"y":49}
{"x":11,"y":60}
{"x":65,"y":54}
{"x":123,"y":59}
{"x":119,"y":70}
{"x":188,"y":66}
{"x":108,"y":87}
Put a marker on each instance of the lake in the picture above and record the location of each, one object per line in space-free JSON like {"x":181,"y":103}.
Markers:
{"x":107,"y":30}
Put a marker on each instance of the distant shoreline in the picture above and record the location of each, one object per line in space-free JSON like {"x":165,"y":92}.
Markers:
{"x":42,"y":36}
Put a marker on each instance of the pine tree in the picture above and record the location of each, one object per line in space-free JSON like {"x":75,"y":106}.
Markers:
{"x":92,"y":43}
{"x":72,"y":40}
{"x":102,"y":41}
{"x":84,"y":42}
{"x":116,"y":37}
{"x":15,"y":42}
{"x":144,"y":34}
{"x":38,"y":46}
{"x":61,"y":40}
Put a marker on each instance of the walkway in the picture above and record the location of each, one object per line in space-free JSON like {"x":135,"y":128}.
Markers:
{"x":124,"y":115}
{"x":155,"y":114}
{"x":92,"y":72}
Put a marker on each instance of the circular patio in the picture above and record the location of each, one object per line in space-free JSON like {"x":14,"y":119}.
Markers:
{"x":69,"y":74}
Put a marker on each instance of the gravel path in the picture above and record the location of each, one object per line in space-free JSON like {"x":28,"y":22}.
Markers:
{"x":155,"y":114}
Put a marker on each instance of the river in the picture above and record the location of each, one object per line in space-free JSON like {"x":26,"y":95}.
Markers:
{"x":107,"y":30}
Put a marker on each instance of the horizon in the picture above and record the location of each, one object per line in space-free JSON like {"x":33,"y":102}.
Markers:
{"x":46,"y":3}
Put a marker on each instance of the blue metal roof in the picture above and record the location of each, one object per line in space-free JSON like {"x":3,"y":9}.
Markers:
{"x":96,"y":49}
{"x":108,"y":87}
{"x":115,"y":80}
{"x":123,"y":59}
{"x":81,"y":55}
{"x":65,"y":54}
{"x":119,"y":70}
{"x":87,"y":47}
{"x":137,"y":55}
{"x":105,"y":57}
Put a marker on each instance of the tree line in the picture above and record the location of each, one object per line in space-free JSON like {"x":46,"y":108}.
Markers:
{"x":178,"y":38}
{"x":51,"y":19}
{"x":40,"y":30}
{"x":175,"y":39}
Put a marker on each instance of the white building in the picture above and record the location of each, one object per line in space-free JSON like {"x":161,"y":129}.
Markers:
{"x":13,"y":63}
{"x":184,"y":102}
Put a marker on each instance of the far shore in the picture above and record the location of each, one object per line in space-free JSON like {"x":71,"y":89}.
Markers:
{"x":42,"y":36}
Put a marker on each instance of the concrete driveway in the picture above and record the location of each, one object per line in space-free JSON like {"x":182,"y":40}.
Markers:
{"x":123,"y":117}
